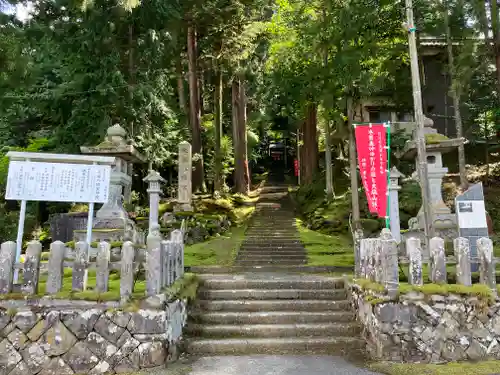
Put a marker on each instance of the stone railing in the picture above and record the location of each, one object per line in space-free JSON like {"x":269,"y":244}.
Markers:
{"x":379,"y":260}
{"x":163,"y":261}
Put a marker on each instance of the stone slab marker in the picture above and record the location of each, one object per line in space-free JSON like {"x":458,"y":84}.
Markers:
{"x":127,"y":271}
{"x":462,"y":253}
{"x":390,"y":266}
{"x":154,"y":261}
{"x":165,"y":246}
{"x":7,"y":261}
{"x":56,"y":267}
{"x":185,"y":176}
{"x":437,"y":262}
{"x":487,"y":263}
{"x":79,"y":279}
{"x":363,"y":248}
{"x":394,"y":188}
{"x":370,"y":257}
{"x":32,"y":268}
{"x":377,"y":261}
{"x":414,"y":249}
{"x":102,"y":260}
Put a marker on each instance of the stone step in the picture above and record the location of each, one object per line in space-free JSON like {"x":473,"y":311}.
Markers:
{"x":271,"y":317}
{"x":270,"y":250}
{"x":267,"y":284}
{"x":273,"y":305}
{"x":267,"y":294}
{"x":278,"y":261}
{"x":271,"y":255}
{"x":272,"y":243}
{"x":217,"y":270}
{"x":284,"y":345}
{"x":263,"y":238}
{"x":274,"y":330}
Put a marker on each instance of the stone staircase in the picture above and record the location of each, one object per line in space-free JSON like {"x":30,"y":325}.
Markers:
{"x":272,"y":237}
{"x":270,"y":313}
{"x":266,"y":308}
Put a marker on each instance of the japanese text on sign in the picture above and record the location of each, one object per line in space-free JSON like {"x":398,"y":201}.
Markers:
{"x":58,"y":182}
{"x":372,"y":158}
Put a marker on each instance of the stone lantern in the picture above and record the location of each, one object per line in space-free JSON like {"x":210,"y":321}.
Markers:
{"x":443,"y":220}
{"x":112,"y":222}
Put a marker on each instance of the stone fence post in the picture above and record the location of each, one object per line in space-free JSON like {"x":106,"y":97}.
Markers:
{"x":358,"y":237}
{"x":437,"y":262}
{"x":390,"y":264}
{"x":154,"y":261}
{"x":487,"y":263}
{"x":394,"y":188}
{"x":177,"y":237}
{"x":127,"y":271}
{"x":154,"y":181}
{"x":414,"y":250}
{"x":462,"y":254}
{"x":32,"y":268}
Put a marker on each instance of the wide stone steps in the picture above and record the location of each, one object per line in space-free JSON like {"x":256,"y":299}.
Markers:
{"x":275,"y":330}
{"x":223,"y":283}
{"x":271,"y":256}
{"x":266,"y":294}
{"x":272,"y":305}
{"x":277,"y":261}
{"x":272,"y":317}
{"x":284,"y":345}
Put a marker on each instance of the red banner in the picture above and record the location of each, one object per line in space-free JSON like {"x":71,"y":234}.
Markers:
{"x":371,"y":144}
{"x":296,"y":167}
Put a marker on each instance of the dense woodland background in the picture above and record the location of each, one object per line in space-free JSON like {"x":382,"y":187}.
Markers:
{"x":230,"y":76}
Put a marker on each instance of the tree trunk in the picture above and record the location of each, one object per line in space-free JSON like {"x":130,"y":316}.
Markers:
{"x":495,"y":28}
{"x":131,"y":72}
{"x":194,"y":115}
{"x":239,"y":163}
{"x":242,"y":131}
{"x":356,"y":217}
{"x":309,"y":155}
{"x":456,"y":102}
{"x":218,"y":128}
{"x":180,"y":88}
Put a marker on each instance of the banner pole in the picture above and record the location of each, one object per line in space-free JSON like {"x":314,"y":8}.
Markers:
{"x":387,"y":217}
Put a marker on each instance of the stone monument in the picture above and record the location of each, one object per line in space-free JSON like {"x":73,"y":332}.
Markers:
{"x":184,"y":195}
{"x":444,"y":221}
{"x":394,"y":188}
{"x":112,"y":222}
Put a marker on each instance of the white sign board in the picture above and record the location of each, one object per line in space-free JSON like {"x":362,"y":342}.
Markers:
{"x":471,"y":214}
{"x":57,"y":182}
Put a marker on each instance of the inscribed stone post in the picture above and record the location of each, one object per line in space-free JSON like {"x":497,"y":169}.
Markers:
{"x":7,"y":261}
{"x":178,"y":238}
{"x":127,"y":271}
{"x":358,"y":236}
{"x":377,"y":260}
{"x":487,"y":263}
{"x":154,"y":262}
{"x":414,"y":249}
{"x":79,"y":279}
{"x":371,"y":258}
{"x":437,"y":262}
{"x":363,"y":256}
{"x":185,"y":176}
{"x":462,"y":254}
{"x":32,"y":268}
{"x":165,"y":248}
{"x":102,"y":260}
{"x":56,"y":267}
{"x":390,"y":266}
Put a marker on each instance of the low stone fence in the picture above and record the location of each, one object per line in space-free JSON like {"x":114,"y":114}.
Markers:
{"x":76,"y":337}
{"x":163,"y":263}
{"x":426,"y":319}
{"x":427,"y":328}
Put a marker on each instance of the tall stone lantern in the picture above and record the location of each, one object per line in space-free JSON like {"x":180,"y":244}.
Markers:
{"x":443,"y":220}
{"x":112,"y":221}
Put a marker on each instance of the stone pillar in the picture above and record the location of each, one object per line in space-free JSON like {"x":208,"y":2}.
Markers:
{"x":437,"y":271}
{"x":462,"y":254}
{"x":487,"y":263}
{"x":154,"y":181}
{"x":394,"y":188}
{"x":414,"y":250}
{"x":185,"y":177}
{"x":390,"y":264}
{"x":127,"y":194}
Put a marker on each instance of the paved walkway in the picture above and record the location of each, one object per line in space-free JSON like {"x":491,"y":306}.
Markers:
{"x":265,"y":365}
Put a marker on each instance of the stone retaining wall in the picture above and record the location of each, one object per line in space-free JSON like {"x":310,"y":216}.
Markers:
{"x":72,"y":337}
{"x":431,"y":329}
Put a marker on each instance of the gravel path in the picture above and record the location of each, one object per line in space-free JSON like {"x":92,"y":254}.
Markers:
{"x":264,"y":365}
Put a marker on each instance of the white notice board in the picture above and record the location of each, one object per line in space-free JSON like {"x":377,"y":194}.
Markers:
{"x":58,"y":182}
{"x":471,"y":214}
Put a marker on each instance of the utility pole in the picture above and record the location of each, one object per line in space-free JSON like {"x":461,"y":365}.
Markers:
{"x":419,"y":119}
